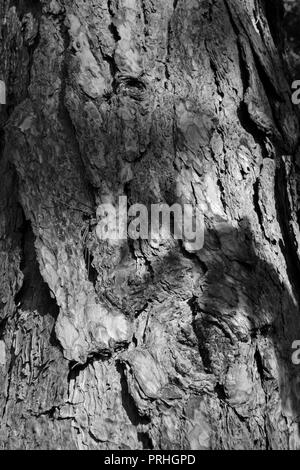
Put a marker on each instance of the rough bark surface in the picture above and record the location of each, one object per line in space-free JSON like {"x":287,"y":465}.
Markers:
{"x":144,"y":345}
{"x":291,"y":27}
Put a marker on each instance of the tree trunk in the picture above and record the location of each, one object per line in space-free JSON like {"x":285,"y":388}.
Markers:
{"x":132,"y":344}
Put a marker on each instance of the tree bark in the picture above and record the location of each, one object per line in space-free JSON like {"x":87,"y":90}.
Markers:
{"x":132,"y":345}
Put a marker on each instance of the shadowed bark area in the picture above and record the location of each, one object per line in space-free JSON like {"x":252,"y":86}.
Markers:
{"x":291,"y":26}
{"x":139,"y":344}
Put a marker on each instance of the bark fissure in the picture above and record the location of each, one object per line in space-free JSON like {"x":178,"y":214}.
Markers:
{"x":288,"y":245}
